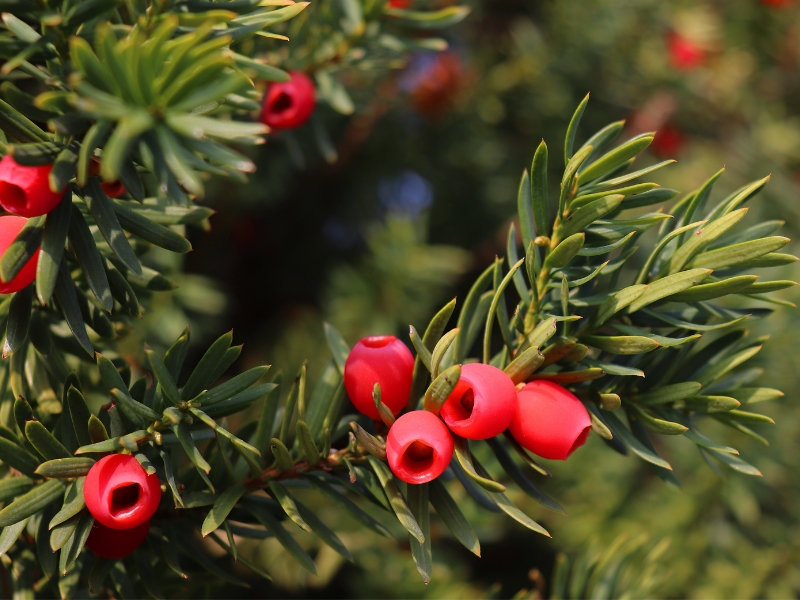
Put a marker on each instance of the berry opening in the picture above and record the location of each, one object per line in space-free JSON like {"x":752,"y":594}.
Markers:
{"x":124,"y":498}
{"x":418,"y":457}
{"x":461,"y":410}
{"x":580,"y":440}
{"x":377,"y":341}
{"x":13,"y":196}
{"x":282,"y":102}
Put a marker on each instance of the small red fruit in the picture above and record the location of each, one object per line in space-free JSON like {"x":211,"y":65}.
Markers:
{"x":289,"y":104}
{"x":777,"y":3}
{"x":418,"y":447}
{"x":113,"y":189}
{"x":116,"y":543}
{"x":550,"y":421}
{"x":482,"y":404}
{"x":684,"y":54}
{"x":25,"y":191}
{"x":669,"y":141}
{"x":379,"y":359}
{"x":9,"y":229}
{"x":119,"y":493}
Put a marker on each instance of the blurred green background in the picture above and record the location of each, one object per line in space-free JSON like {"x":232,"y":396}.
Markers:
{"x":419,"y":202}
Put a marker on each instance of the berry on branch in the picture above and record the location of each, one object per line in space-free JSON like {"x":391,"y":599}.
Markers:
{"x":418,"y":447}
{"x":116,"y":543}
{"x":289,"y":104}
{"x":25,"y":191}
{"x":379,"y":359}
{"x":9,"y":229}
{"x":119,"y":493}
{"x":684,"y":54}
{"x":550,"y":421}
{"x":482,"y":403}
{"x":113,"y":189}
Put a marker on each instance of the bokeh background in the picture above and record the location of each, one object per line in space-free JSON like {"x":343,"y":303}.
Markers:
{"x":419,"y":202}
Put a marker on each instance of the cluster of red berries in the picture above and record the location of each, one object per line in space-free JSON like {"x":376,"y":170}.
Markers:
{"x":543,"y":417}
{"x":121,"y":497}
{"x":24,"y":191}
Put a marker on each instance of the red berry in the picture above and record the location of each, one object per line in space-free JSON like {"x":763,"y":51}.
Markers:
{"x":9,"y":229}
{"x":482,"y":404}
{"x":400,"y":3}
{"x":119,"y":493}
{"x":116,"y":543}
{"x":418,"y":447}
{"x":777,"y":3}
{"x":113,"y":189}
{"x":668,"y":142}
{"x":379,"y":359}
{"x":25,"y":191}
{"x":550,"y":421}
{"x":684,"y":54}
{"x":289,"y":104}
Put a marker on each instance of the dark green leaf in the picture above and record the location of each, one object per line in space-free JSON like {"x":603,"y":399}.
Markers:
{"x":234,"y":386}
{"x":222,"y":508}
{"x":572,"y":129}
{"x":456,"y":522}
{"x":74,"y":546}
{"x":65,"y":467}
{"x":338,"y":347}
{"x":12,"y":487}
{"x":709,"y":232}
{"x":307,"y":445}
{"x":89,"y":258}
{"x":396,"y":499}
{"x":44,"y":442}
{"x":31,"y":502}
{"x":67,"y":297}
{"x":441,"y":388}
{"x":571,"y":376}
{"x":55,"y":235}
{"x":102,"y":210}
{"x":525,"y":210}
{"x":615,"y":158}
{"x":565,"y":251}
{"x":286,"y":540}
{"x":323,"y":531}
{"x":464,"y":459}
{"x":587,"y":215}
{"x":73,"y":503}
{"x":496,"y":299}
{"x":165,"y":379}
{"x":148,"y":230}
{"x":200,"y":378}
{"x":19,"y":316}
{"x":139,"y":414}
{"x":667,"y":286}
{"x":623,"y":434}
{"x":10,"y":535}
{"x":347,"y":505}
{"x":468,"y":312}
{"x":524,"y":483}
{"x":621,"y":344}
{"x":510,"y":508}
{"x":288,"y":505}
{"x":19,"y":126}
{"x":657,"y":425}
{"x":539,"y":201}
{"x":421,"y":553}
